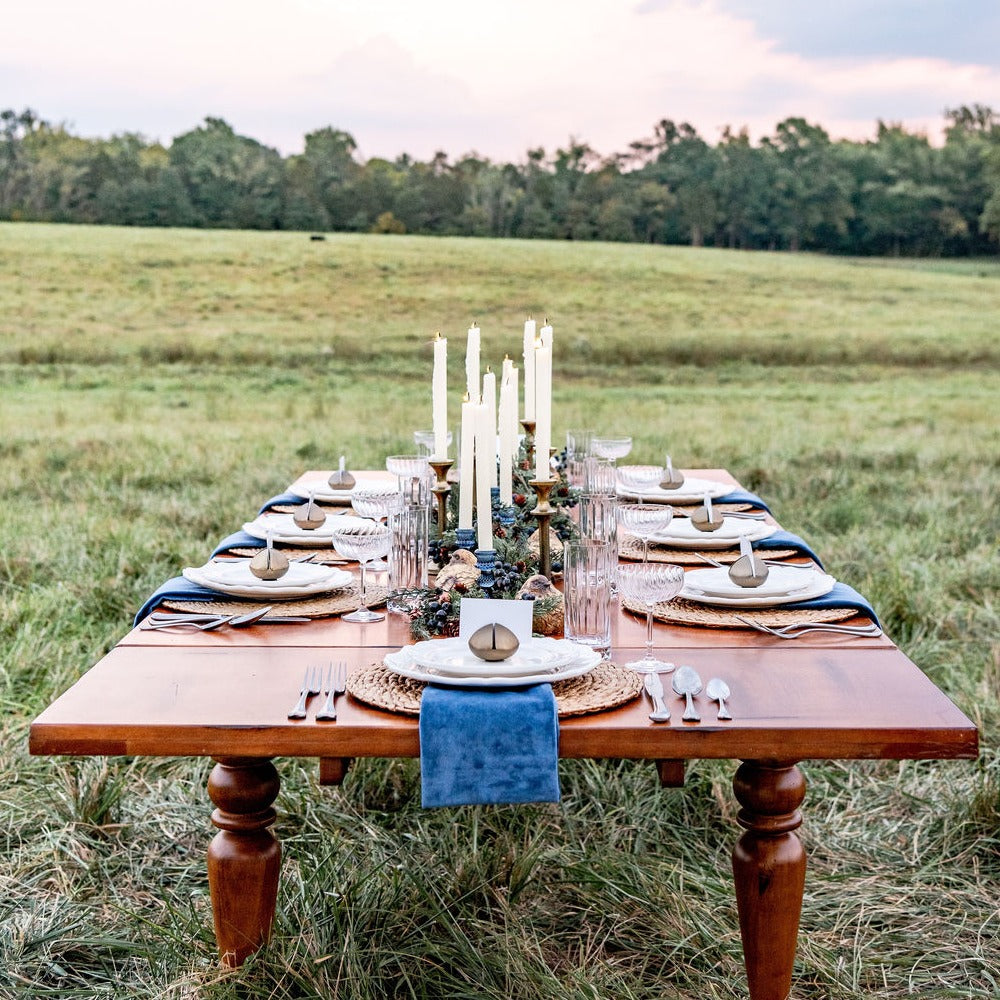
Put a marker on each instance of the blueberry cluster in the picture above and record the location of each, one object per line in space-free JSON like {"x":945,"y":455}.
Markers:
{"x":436,"y":612}
{"x":507,"y":578}
{"x":439,"y":551}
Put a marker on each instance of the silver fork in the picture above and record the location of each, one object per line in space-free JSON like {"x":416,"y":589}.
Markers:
{"x":338,"y":686}
{"x":793,"y":631}
{"x":310,"y":686}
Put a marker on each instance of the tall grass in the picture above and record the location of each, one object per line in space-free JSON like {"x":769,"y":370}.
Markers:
{"x":868,"y":423}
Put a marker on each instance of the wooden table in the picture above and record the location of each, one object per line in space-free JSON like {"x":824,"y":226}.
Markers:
{"x":224,"y":695}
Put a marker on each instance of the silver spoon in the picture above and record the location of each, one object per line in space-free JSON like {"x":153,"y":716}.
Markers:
{"x":718,"y":690}
{"x":686,"y":684}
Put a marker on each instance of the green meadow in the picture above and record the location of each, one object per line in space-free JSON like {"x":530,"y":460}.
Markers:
{"x":155,"y":385}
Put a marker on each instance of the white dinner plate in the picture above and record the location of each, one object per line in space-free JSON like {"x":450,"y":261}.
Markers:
{"x":682,"y":534}
{"x":233,"y":577}
{"x":584,"y":661}
{"x":452,"y":656}
{"x":286,"y":532}
{"x":325,"y":493}
{"x":692,"y":490}
{"x":816,"y":584}
{"x":781,"y":580}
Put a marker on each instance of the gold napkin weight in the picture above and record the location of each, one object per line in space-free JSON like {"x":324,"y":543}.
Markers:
{"x":341,"y":479}
{"x":269,"y":563}
{"x":705,"y":518}
{"x":672,"y":479}
{"x":309,"y":516}
{"x":748,"y":570}
{"x":493,"y":642}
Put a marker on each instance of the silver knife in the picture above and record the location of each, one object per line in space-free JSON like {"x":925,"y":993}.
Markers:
{"x":654,"y":688}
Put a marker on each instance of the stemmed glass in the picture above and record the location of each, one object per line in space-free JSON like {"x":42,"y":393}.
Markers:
{"x":425,"y":441}
{"x":608,"y":447}
{"x":639,"y":480}
{"x":409,"y":469}
{"x":649,"y":584}
{"x":377,"y":503}
{"x":577,"y":449}
{"x":364,"y":543}
{"x":645,"y":521}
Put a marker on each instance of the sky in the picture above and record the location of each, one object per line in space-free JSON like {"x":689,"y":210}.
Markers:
{"x":495,"y":77}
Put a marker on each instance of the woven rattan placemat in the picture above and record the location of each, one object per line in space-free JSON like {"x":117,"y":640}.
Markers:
{"x":304,"y":553}
{"x":319,"y":606}
{"x":331,"y":510}
{"x":631,"y":548}
{"x":606,"y":686}
{"x":684,"y":509}
{"x":682,"y":612}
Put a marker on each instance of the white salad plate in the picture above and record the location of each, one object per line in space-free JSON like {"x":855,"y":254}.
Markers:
{"x":712,"y":586}
{"x":579,"y":660}
{"x":682,"y":534}
{"x":325,"y":493}
{"x":285,"y":531}
{"x":692,"y":490}
{"x":234,"y":577}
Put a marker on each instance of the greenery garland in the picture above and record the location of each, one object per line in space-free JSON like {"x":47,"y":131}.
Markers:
{"x":435,"y":612}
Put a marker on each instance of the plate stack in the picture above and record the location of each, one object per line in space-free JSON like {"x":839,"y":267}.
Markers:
{"x":233,"y":577}
{"x":784,"y":585}
{"x":451,"y":662}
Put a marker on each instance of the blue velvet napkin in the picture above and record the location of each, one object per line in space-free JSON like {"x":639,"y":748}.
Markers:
{"x":743,"y":496}
{"x":782,"y":539}
{"x":238,"y":540}
{"x":281,"y":500}
{"x":180,"y":588}
{"x":842,"y":596}
{"x":488,"y":747}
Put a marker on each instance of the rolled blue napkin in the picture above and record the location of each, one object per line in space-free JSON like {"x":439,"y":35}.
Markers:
{"x":842,"y":596}
{"x":782,"y":539}
{"x":179,"y":588}
{"x":488,"y":746}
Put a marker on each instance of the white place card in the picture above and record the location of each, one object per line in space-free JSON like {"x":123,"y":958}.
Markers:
{"x":475,"y":612}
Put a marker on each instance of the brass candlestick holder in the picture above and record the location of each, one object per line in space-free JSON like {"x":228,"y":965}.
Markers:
{"x":529,"y":442}
{"x":543,"y":513}
{"x":441,"y":489}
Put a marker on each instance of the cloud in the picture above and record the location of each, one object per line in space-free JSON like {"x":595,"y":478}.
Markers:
{"x":966,"y":32}
{"x":497,"y":78}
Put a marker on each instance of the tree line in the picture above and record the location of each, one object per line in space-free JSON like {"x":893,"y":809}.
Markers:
{"x":795,"y":189}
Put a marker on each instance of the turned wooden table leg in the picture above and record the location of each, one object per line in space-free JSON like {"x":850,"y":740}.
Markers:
{"x":769,"y":866}
{"x":244,"y":857}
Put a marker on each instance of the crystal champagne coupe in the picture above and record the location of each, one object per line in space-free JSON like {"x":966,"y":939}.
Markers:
{"x":645,"y":521}
{"x":650,"y":584}
{"x":377,"y":503}
{"x":639,"y":480}
{"x":365,"y":544}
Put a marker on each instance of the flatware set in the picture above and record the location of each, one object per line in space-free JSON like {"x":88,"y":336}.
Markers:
{"x":686,"y":684}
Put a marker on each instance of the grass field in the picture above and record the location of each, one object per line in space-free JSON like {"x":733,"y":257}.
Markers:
{"x":155,"y":385}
